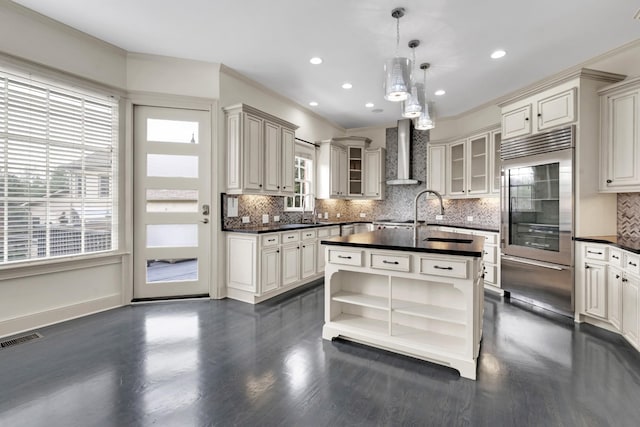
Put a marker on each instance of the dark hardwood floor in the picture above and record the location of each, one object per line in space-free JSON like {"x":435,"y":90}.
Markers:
{"x":210,"y":363}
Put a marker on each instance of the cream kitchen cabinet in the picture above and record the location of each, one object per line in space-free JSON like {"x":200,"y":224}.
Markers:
{"x":260,"y":152}
{"x":495,"y":164}
{"x":324,"y":233}
{"x":607,"y":285}
{"x":347,"y":169}
{"x":468,"y":167}
{"x":437,"y":168}
{"x":261,"y":266}
{"x":542,"y":111}
{"x":374,"y":173}
{"x":620,"y":137}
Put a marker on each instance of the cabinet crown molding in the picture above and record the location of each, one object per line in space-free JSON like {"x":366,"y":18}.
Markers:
{"x":244,"y":108}
{"x":582,"y":73}
{"x":623,"y":85}
{"x":348,"y":140}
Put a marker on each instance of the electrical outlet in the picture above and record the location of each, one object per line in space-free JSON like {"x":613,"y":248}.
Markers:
{"x":276,"y":218}
{"x":326,"y":215}
{"x":363,"y":215}
{"x":265,"y":218}
{"x":338,"y":215}
{"x":320,"y":215}
{"x":469,"y":218}
{"x":246,"y":219}
{"x":439,"y":217}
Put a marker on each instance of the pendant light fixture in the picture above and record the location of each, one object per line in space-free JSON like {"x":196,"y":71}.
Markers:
{"x":411,"y":108}
{"x":397,"y":70}
{"x":424,"y":121}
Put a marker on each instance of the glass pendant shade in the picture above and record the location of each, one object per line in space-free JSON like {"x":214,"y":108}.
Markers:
{"x":397,"y":79}
{"x":412,"y":107}
{"x":424,"y":122}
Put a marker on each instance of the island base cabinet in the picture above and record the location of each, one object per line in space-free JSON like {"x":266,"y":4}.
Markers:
{"x":630,"y":301}
{"x":434,"y":318}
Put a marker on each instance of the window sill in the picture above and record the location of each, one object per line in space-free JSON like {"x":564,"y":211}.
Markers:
{"x":54,"y":265}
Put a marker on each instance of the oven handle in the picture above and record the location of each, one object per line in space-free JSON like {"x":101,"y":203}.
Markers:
{"x":534,"y":263}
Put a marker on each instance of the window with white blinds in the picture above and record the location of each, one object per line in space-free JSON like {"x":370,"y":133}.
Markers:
{"x":58,"y":170}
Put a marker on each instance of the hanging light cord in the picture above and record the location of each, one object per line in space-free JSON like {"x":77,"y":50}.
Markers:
{"x":397,"y":36}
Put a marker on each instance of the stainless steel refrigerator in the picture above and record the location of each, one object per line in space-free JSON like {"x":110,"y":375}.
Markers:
{"x":537,"y":219}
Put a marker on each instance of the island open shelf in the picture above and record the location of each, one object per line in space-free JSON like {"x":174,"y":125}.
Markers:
{"x":416,"y":310}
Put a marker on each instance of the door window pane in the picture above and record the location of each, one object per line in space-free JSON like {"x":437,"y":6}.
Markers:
{"x":175,"y":200}
{"x":172,"y":270}
{"x":176,"y":131}
{"x":170,"y":165}
{"x":172,"y":235}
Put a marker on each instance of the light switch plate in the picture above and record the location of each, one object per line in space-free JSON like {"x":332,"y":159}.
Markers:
{"x":326,"y":215}
{"x":469,"y":218}
{"x":246,"y":219}
{"x":363,"y":215}
{"x":439,"y":217}
{"x":338,"y":215}
{"x":276,"y":218}
{"x":265,"y":218}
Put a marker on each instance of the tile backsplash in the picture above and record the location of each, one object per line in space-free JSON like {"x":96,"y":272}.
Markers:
{"x":629,"y":215}
{"x":398,"y":204}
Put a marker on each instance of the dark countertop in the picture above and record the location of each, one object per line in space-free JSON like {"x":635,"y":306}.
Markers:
{"x":287,"y":227}
{"x":402,"y":240}
{"x":631,"y":244}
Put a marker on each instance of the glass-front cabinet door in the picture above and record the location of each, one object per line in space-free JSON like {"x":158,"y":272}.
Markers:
{"x":477,"y":182}
{"x":355,"y":171}
{"x":457,"y":169}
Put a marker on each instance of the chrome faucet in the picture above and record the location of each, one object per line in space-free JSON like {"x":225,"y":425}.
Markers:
{"x":313,"y":212}
{"x":415,"y":211}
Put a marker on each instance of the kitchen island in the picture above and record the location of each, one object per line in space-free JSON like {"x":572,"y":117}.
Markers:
{"x":422,"y":298}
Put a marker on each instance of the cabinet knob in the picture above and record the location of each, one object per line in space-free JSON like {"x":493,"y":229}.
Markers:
{"x":539,"y":114}
{"x":624,"y":280}
{"x":260,"y":185}
{"x":278,"y":251}
{"x":278,"y":187}
{"x":617,"y":276}
{"x":586,"y":266}
{"x":609,"y":181}
{"x":526,"y":118}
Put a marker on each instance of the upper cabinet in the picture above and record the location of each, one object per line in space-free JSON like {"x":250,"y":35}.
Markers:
{"x":542,"y":111}
{"x":348,"y":169}
{"x":620,"y":137}
{"x":260,"y":152}
{"x":468,"y":167}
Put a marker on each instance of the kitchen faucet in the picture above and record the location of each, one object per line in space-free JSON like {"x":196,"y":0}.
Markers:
{"x":415,"y":211}
{"x":313,"y":213}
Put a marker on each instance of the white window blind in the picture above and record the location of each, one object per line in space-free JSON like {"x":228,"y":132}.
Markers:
{"x":58,"y":170}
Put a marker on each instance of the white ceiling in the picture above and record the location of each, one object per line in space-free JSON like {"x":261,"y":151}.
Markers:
{"x":271,"y":42}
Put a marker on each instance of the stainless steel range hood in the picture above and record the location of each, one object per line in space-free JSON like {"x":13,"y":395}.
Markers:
{"x":404,"y":155}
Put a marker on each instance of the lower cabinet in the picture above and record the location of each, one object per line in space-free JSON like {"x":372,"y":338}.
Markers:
{"x":630,"y":299}
{"x":607,"y":287}
{"x":261,"y":266}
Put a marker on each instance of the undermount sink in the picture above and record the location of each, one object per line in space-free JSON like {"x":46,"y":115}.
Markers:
{"x":448,"y":240}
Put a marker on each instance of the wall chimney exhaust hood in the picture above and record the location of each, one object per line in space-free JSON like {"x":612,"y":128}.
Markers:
{"x":404,"y":153}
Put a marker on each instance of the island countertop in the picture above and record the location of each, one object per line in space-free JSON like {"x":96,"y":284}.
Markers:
{"x":402,"y":240}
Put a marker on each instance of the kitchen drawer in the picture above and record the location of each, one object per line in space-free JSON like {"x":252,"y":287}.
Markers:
{"x":324,"y":231}
{"x":442,"y":267}
{"x":616,"y":257}
{"x":490,"y":274}
{"x":345,"y":257}
{"x":391,"y":262}
{"x":490,"y":254}
{"x":270,"y":240}
{"x":293,"y":236}
{"x":632,"y":263}
{"x":308,"y":234}
{"x":595,"y":252}
{"x":489,"y":238}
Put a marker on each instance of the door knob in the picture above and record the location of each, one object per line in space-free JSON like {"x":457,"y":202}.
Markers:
{"x":205,"y":221}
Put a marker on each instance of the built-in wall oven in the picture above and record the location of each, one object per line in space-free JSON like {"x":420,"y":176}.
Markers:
{"x":537,"y":219}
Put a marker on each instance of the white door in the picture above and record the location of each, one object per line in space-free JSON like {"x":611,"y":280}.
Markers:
{"x":172,"y":214}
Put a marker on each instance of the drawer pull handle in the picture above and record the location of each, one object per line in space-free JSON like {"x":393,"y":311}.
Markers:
{"x":271,"y":240}
{"x":633,"y":263}
{"x":291,"y":237}
{"x":344,"y":257}
{"x":384,"y":261}
{"x":625,"y":280}
{"x":615,"y":257}
{"x":442,"y":268}
{"x":594,"y":252}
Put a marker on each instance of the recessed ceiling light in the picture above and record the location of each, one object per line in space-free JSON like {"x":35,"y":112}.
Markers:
{"x":496,"y":54}
{"x":316,"y":60}
{"x":313,"y":103}
{"x":440,"y":92}
{"x":347,"y":85}
{"x":369,"y":105}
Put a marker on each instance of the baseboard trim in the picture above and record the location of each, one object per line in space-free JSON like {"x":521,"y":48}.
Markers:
{"x":30,"y":322}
